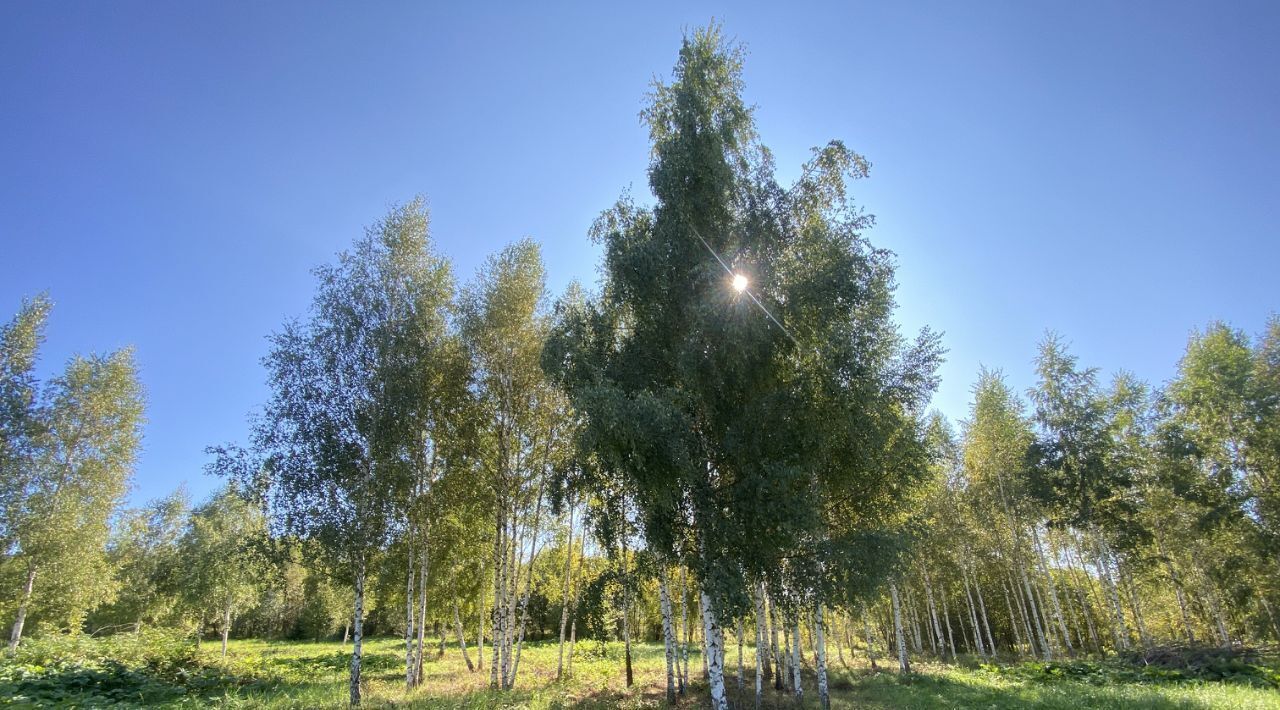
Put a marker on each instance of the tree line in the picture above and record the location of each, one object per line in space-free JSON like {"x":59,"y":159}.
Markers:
{"x":725,"y":443}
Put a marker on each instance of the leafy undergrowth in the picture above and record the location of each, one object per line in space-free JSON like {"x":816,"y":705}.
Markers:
{"x":156,"y":669}
{"x":1170,"y":664}
{"x":151,"y":667}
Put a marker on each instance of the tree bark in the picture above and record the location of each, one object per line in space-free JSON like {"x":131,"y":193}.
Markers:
{"x":903,"y":664}
{"x":410,"y":617}
{"x":820,"y":657}
{"x":714,"y":655}
{"x":688,"y":631}
{"x":797,"y":683}
{"x":226,"y":626}
{"x":1035,"y":616}
{"x":357,"y":635}
{"x":973,"y":615}
{"x":866,"y":624}
{"x":761,"y":644}
{"x":779,"y":664}
{"x":982,"y":613}
{"x":462,"y":639}
{"x":762,"y":633}
{"x":564,"y":604}
{"x":946,"y":615}
{"x":741,"y":668}
{"x":668,"y":635}
{"x":1053,"y":590}
{"x":15,"y":636}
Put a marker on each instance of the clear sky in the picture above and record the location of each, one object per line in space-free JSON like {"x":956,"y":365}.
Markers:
{"x":170,"y":172}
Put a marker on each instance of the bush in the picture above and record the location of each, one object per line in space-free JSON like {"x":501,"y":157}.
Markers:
{"x":132,"y":668}
{"x":1164,"y":664}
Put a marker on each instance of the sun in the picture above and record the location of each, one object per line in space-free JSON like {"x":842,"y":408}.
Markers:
{"x":739,"y":283}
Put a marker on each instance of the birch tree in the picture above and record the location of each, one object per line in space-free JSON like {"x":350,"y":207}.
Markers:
{"x":75,"y":476}
{"x":341,"y":433}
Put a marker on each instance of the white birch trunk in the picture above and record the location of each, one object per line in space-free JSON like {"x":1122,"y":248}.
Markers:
{"x":357,"y":636}
{"x":973,"y":615}
{"x":1053,"y":591}
{"x":820,"y":657}
{"x":564,"y":605}
{"x":866,"y":629}
{"x":1035,"y":616}
{"x":409,"y":618}
{"x":714,"y":655}
{"x":797,"y":683}
{"x":462,"y":639}
{"x":226,"y":626}
{"x":15,"y":635}
{"x":741,"y":669}
{"x":903,"y":664}
{"x":761,"y":643}
{"x":668,"y":635}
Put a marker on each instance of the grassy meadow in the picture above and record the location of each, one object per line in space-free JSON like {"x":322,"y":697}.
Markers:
{"x":159,"y":670}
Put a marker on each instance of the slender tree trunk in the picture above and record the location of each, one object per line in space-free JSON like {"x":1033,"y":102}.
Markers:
{"x":904,"y":665}
{"x":820,"y":658}
{"x":422,"y":615}
{"x":714,"y":655}
{"x":1086,"y":609}
{"x":688,"y":630}
{"x":1136,"y":608}
{"x":788,"y":658}
{"x":1177,"y":589}
{"x":668,"y":635}
{"x":842,"y":640}
{"x":480,"y":632}
{"x":941,"y":646}
{"x":357,"y":635}
{"x":626,"y":612}
{"x":762,"y":632}
{"x":1275,"y":629}
{"x":499,"y":600}
{"x":982,"y":614}
{"x":973,"y":615}
{"x":1119,"y":630}
{"x":1053,"y":590}
{"x":915,"y":621}
{"x":1035,"y":614}
{"x":871,"y":650}
{"x":462,"y":639}
{"x":1013,"y":618}
{"x":564,"y":605}
{"x":410,"y":666}
{"x":706,"y":650}
{"x":741,"y":668}
{"x":528,"y":590}
{"x":797,"y":683}
{"x":779,"y":664}
{"x":946,"y":614}
{"x":761,"y":643}
{"x":15,"y":636}
{"x":226,"y":626}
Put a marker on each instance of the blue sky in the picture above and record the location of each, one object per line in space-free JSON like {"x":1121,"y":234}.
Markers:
{"x":170,"y":172}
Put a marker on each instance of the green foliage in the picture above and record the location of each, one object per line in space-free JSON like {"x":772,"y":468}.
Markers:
{"x":1185,"y":665}
{"x":150,"y":667}
{"x":66,"y":463}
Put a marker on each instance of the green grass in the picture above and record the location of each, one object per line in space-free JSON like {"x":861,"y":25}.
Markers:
{"x":158,"y":670}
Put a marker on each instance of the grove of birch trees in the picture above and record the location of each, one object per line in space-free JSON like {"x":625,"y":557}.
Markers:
{"x":724,"y":447}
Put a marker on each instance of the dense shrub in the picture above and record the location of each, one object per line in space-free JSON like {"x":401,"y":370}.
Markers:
{"x":130,"y":669}
{"x":1170,"y":663}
